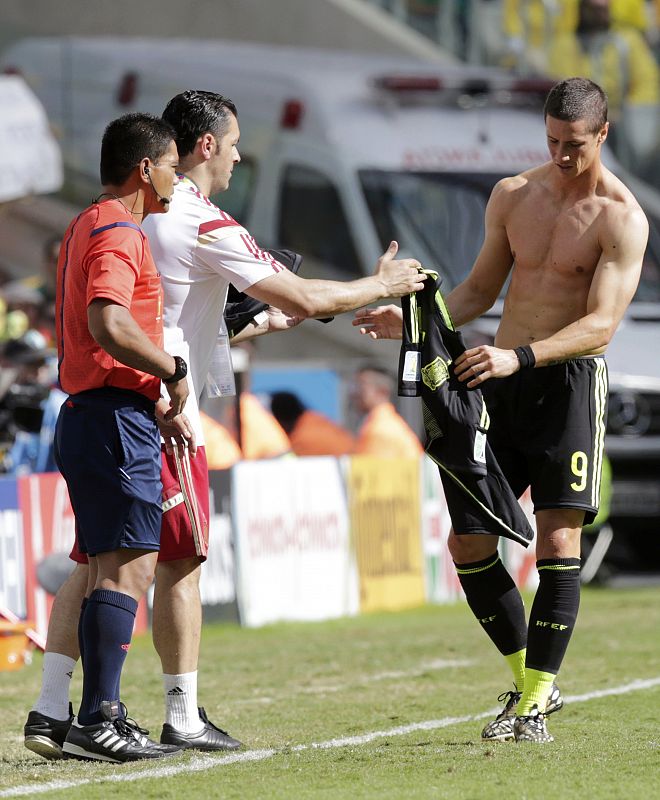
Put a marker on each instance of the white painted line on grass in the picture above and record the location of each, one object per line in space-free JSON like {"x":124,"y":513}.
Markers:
{"x":201,"y":763}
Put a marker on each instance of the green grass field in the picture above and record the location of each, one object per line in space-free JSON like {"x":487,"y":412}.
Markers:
{"x":380,"y":706}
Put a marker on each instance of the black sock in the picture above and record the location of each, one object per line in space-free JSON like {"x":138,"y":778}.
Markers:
{"x":107,"y":628}
{"x":495,"y":601}
{"x":80,"y":638}
{"x":553,"y":614}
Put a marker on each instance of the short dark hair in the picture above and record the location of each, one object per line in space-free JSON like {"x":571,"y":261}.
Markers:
{"x":127,"y":141}
{"x":286,"y":407}
{"x":194,"y":113}
{"x":577,"y":98}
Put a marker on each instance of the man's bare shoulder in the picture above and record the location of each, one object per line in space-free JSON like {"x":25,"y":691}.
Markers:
{"x":512,"y":193}
{"x":622,"y":212}
{"x":615,"y":190}
{"x":517,"y":187}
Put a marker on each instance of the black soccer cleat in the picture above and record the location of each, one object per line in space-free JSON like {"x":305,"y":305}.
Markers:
{"x":209,"y":739}
{"x":116,"y":739}
{"x":45,"y":735}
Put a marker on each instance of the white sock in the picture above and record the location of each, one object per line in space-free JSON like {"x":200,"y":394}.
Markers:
{"x":55,"y":682}
{"x":181,"y":702}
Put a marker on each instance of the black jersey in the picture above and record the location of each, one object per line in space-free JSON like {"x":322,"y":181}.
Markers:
{"x":455,"y":419}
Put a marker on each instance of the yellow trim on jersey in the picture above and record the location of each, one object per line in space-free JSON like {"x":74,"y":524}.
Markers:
{"x":514,"y":534}
{"x":484,"y":422}
{"x":600,"y":396}
{"x":415,"y":313}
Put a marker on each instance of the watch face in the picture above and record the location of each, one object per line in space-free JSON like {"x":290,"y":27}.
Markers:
{"x":180,"y":370}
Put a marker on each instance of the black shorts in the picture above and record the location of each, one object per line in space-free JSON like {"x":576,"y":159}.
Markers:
{"x":547,"y":431}
{"x":107,"y":447}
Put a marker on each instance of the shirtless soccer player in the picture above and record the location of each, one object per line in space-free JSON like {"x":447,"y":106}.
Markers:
{"x":571,"y":237}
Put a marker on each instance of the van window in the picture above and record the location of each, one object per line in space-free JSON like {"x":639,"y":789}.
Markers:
{"x":439,"y":217}
{"x":236,"y":200}
{"x":313,"y":222}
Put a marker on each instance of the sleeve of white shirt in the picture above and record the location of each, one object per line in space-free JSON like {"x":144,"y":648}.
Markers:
{"x":229,"y":249}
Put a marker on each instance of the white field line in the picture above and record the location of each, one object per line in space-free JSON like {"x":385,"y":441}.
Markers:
{"x":206,"y":762}
{"x":329,"y":688}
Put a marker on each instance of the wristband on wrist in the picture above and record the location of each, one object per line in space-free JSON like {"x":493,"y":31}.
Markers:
{"x":526,"y":356}
{"x":180,"y":370}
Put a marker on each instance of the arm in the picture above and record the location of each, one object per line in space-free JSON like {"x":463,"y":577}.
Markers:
{"x":614,"y":283}
{"x":114,"y":329}
{"x":476,"y":293}
{"x":481,"y":288}
{"x":304,"y":297}
{"x":382,"y":322}
{"x":272,"y":320}
{"x":612,"y":288}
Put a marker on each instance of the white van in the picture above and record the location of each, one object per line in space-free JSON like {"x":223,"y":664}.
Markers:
{"x":342,"y":153}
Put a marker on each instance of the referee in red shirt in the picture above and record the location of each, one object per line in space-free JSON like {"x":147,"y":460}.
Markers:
{"x":107,"y":443}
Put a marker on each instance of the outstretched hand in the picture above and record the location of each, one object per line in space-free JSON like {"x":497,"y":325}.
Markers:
{"x":381,"y":322}
{"x":399,"y":277}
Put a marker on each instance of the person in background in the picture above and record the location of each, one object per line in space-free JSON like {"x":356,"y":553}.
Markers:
{"x":310,"y":432}
{"x":618,"y":58}
{"x":383,"y":432}
{"x":29,"y":368}
{"x":530,"y":27}
{"x":261,"y":434}
{"x":222,"y":450}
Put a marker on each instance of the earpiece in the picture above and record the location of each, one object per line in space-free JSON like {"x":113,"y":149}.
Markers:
{"x":161,"y":199}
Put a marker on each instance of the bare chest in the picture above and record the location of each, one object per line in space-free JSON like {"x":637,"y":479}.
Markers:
{"x":555,"y":241}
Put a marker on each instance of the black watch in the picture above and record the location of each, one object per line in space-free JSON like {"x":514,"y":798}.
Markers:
{"x":180,"y":371}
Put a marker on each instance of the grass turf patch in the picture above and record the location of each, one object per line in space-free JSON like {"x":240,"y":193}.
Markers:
{"x":286,"y":687}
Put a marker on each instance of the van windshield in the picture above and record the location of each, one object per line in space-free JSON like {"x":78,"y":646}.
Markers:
{"x":439,"y":219}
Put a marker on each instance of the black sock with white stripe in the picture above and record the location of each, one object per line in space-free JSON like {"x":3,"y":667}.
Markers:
{"x":106,"y":627}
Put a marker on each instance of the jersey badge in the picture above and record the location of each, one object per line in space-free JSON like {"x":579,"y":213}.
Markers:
{"x":436,"y":373}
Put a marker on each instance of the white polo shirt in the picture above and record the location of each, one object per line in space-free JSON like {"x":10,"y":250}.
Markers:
{"x":199,"y":250}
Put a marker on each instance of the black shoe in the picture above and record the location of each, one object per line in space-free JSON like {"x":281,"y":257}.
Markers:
{"x":116,"y":739}
{"x":45,"y":735}
{"x":210,"y":738}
